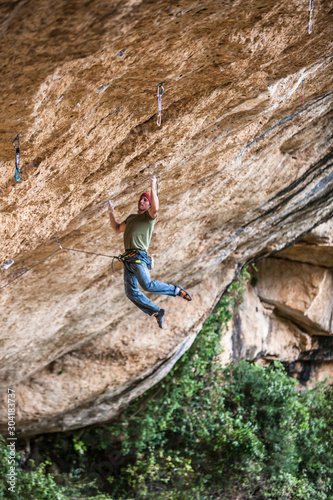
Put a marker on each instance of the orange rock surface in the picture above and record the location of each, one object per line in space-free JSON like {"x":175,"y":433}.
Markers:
{"x":245,"y":170}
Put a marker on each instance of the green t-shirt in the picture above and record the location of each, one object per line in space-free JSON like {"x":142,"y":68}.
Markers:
{"x":138,"y":232}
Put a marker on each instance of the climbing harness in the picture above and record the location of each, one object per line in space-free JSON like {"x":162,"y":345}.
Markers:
{"x":17,"y":157}
{"x":310,"y":16}
{"x":302,"y":91}
{"x":160,"y":90}
{"x":129,"y":254}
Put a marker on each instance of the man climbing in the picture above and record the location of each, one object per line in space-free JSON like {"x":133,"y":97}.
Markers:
{"x":138,"y":229}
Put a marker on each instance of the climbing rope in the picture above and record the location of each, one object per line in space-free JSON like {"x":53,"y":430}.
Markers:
{"x":113,"y":257}
{"x":117,"y":257}
{"x":310,"y":16}
{"x":160,"y":90}
{"x":17,"y":157}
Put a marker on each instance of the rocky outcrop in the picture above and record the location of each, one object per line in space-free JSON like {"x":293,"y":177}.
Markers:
{"x":287,"y":312}
{"x":245,"y":170}
{"x":315,"y":248}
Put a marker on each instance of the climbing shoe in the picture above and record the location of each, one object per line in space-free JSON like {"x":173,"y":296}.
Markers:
{"x":160,"y":317}
{"x":183,"y":293}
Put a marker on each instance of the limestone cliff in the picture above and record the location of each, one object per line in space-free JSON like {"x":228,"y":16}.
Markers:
{"x":245,"y":169}
{"x":287,"y":312}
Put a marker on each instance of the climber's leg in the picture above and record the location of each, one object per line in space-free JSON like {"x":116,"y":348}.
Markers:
{"x":133,"y":293}
{"x":142,"y":274}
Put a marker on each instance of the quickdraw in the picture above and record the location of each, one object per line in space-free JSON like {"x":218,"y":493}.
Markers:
{"x":160,"y":90}
{"x":302,"y":91}
{"x":310,"y":16}
{"x":157,"y":182}
{"x":17,"y":157}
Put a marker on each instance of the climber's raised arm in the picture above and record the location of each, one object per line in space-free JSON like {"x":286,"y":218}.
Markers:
{"x":118,"y":227}
{"x":138,"y":229}
{"x":154,"y":206}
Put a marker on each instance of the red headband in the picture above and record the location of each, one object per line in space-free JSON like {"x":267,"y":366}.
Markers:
{"x":147,"y":195}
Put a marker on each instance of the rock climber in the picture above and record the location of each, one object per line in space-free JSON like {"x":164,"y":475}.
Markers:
{"x":138,"y":229}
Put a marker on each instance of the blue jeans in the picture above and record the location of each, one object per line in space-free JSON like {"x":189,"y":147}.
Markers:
{"x":134,"y":273}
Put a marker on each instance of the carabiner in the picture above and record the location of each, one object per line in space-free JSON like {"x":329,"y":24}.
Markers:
{"x":159,"y":95}
{"x":310,"y":16}
{"x":17,"y":138}
{"x":17,"y":157}
{"x":160,"y":87}
{"x":17,"y":179}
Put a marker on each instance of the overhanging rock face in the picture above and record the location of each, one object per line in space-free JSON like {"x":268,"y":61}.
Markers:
{"x":245,"y":169}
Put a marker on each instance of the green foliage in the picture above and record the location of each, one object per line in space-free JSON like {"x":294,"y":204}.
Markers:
{"x":33,"y":484}
{"x":79,"y":446}
{"x":36,"y":483}
{"x":248,"y":428}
